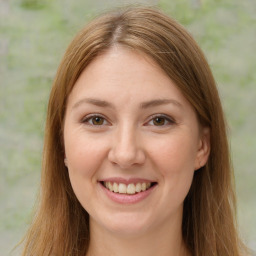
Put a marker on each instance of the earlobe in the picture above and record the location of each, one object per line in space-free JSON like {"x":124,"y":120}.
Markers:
{"x":203,"y":148}
{"x":66,"y":162}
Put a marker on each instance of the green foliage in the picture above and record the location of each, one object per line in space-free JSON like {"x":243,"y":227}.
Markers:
{"x":33,"y":4}
{"x":181,"y":10}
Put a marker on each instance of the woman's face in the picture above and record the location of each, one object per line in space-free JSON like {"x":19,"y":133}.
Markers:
{"x":132,"y":143}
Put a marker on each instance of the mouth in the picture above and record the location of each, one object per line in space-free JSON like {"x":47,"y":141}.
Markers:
{"x":129,"y":189}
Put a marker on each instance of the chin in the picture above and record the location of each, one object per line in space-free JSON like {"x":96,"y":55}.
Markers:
{"x":128,"y":231}
{"x":126,"y":225}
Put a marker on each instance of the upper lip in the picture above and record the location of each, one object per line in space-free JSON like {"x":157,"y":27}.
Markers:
{"x":126,"y":181}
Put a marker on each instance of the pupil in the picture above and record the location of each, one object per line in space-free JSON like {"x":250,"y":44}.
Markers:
{"x":97,"y":120}
{"x":159,"y":121}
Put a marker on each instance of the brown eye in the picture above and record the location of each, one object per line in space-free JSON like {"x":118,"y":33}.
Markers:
{"x":159,"y":121}
{"x":97,"y":120}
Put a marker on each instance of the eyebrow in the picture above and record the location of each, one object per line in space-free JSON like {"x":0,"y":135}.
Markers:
{"x":143,"y":105}
{"x":96,"y":102}
{"x":159,"y":102}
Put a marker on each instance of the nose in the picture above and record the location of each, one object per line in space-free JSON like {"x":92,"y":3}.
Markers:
{"x":126,"y":151}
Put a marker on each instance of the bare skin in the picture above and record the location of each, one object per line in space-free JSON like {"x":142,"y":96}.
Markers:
{"x":127,"y":120}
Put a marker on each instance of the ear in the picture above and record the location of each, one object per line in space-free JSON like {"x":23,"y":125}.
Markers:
{"x":203,"y":148}
{"x":66,"y":161}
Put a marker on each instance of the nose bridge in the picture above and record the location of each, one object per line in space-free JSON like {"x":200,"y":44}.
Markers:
{"x":127,"y":139}
{"x":126,"y":150}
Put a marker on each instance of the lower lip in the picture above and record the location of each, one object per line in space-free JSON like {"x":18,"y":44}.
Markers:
{"x":126,"y":198}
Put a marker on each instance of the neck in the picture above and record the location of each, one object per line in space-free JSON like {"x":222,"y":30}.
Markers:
{"x":163,"y":241}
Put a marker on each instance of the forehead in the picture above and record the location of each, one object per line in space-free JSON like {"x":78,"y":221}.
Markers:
{"x":121,"y":75}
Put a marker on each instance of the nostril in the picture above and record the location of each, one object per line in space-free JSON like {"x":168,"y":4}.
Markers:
{"x":126,"y":157}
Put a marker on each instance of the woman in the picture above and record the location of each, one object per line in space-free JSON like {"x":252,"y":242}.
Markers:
{"x":136,"y":158}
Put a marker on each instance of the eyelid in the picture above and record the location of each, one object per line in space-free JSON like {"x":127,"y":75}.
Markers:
{"x":169,"y":119}
{"x":85,"y":119}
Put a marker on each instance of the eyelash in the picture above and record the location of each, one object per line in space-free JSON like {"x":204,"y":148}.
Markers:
{"x":89,"y":119}
{"x":167,"y":120}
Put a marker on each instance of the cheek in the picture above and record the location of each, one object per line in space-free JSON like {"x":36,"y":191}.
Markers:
{"x":175,"y":162}
{"x":84,"y":154}
{"x":175,"y":152}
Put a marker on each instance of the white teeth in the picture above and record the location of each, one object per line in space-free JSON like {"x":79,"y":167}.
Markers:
{"x":115,"y":187}
{"x":122,"y":188}
{"x":143,"y":186}
{"x":138,"y":187}
{"x":127,"y":189}
{"x":131,"y":189}
{"x":110,"y":187}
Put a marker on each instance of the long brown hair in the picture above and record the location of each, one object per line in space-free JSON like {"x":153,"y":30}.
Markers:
{"x":61,"y":225}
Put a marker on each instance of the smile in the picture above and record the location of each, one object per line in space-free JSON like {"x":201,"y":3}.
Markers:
{"x":129,"y":189}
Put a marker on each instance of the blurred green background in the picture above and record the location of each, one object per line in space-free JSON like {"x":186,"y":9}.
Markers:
{"x":33,"y":37}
